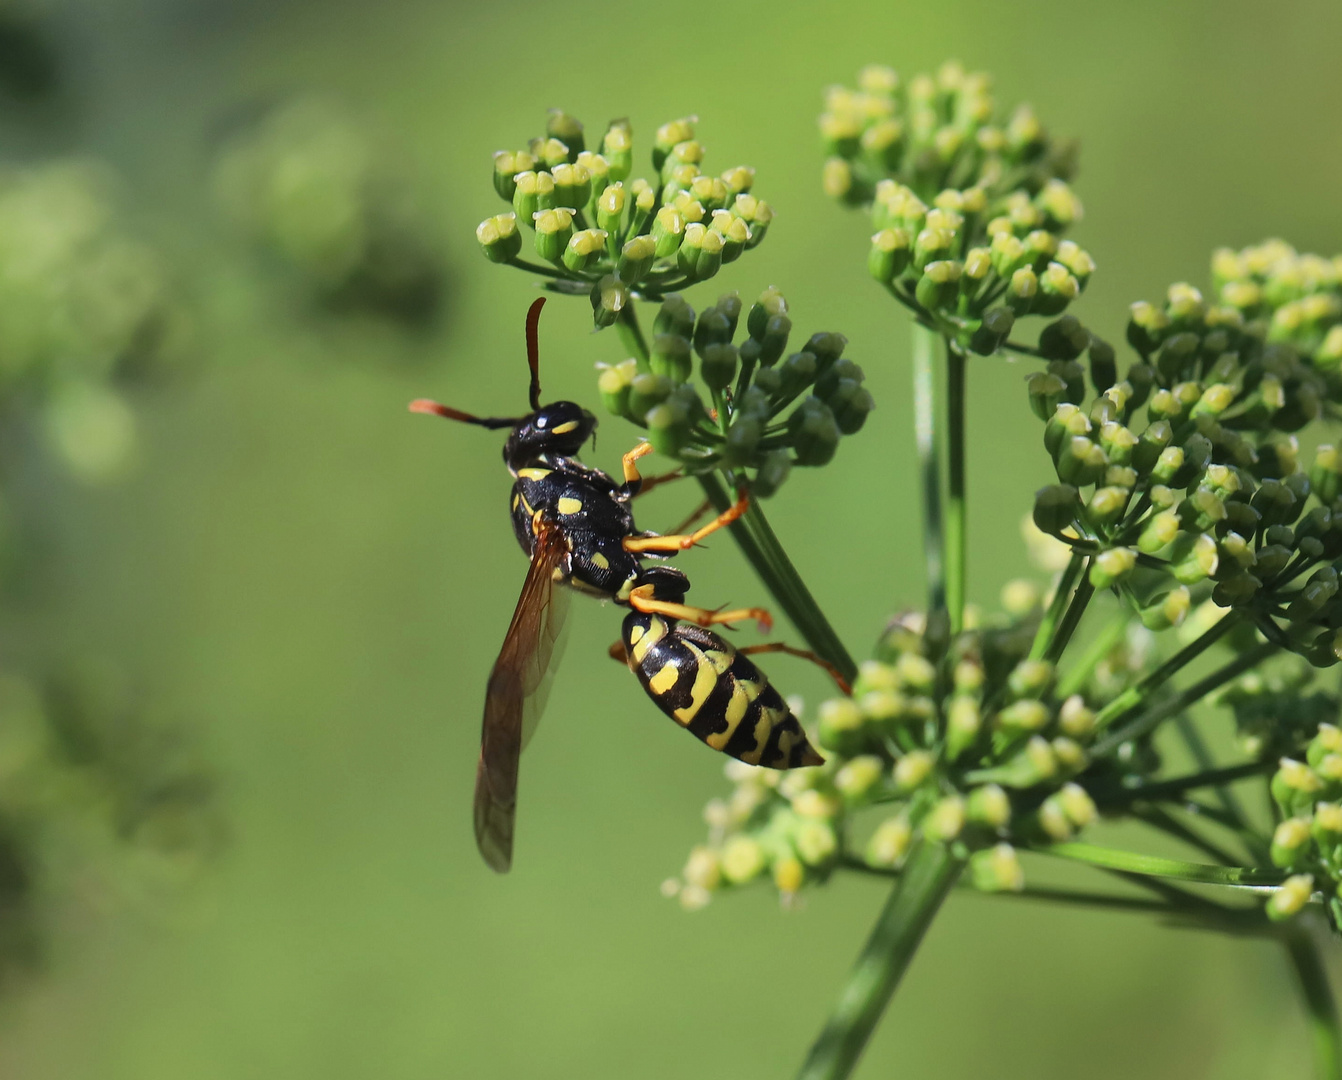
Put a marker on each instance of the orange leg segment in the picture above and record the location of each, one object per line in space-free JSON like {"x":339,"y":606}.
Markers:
{"x":803,"y":654}
{"x":641,"y":600}
{"x":631,"y":473}
{"x":682,"y":542}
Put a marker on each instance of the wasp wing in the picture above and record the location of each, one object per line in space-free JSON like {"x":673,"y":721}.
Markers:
{"x":516,"y":692}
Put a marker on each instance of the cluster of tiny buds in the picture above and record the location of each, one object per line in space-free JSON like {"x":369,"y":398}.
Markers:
{"x":969,"y":212}
{"x":598,"y":231}
{"x":750,"y":387}
{"x":1208,"y":493}
{"x":1307,"y":841}
{"x":979,"y":749}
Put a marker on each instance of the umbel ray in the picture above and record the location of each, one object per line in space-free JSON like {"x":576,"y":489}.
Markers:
{"x":576,"y":524}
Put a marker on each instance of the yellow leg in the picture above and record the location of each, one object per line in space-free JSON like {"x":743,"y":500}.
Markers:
{"x":631,"y":473}
{"x":680,"y":543}
{"x":803,"y":654}
{"x":641,"y":600}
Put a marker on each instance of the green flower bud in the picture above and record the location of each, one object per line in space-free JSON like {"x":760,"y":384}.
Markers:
{"x":1106,"y":506}
{"x":700,"y":254}
{"x":1056,"y":508}
{"x":743,"y":859}
{"x":1291,"y":842}
{"x":773,"y":471}
{"x":939,"y":285}
{"x":889,"y":843}
{"x":993,"y":331}
{"x":1327,"y":826}
{"x":946,"y":820}
{"x":647,"y":390}
{"x":1046,"y":392}
{"x":1021,"y":293}
{"x":989,"y":806}
{"x":931,"y":245}
{"x":1290,"y":899}
{"x":1075,"y":719}
{"x":1327,"y":741}
{"x":756,"y":213}
{"x":1057,"y":289}
{"x":1065,"y":339}
{"x":1295,"y":786}
{"x":584,"y":248}
{"x":636,"y":259}
{"x":1193,"y":557}
{"x":669,"y":427}
{"x":816,"y":842}
{"x":912,"y":769}
{"x":670,"y":356}
{"x":1167,"y":610}
{"x":703,"y":869}
{"x":554,"y":229}
{"x":770,"y":305}
{"x":1070,"y":757}
{"x":617,"y":147}
{"x":1326,"y":473}
{"x":668,"y":232}
{"x":1081,"y":462}
{"x":1052,"y":820}
{"x":814,"y":432}
{"x":734,"y":232}
{"x":669,"y":135}
{"x":613,"y":384}
{"x":963,"y":723}
{"x":675,"y":316}
{"x":718,"y":365}
{"x":507,"y":164}
{"x":856,"y":778}
{"x":889,"y":255}
{"x":532,"y":193}
{"x":560,"y":125}
{"x":499,"y":238}
{"x":610,"y":206}
{"x":1030,"y":678}
{"x":743,"y":437}
{"x":997,"y":869}
{"x":841,"y":726}
{"x":573,"y":186}
{"x":609,"y":297}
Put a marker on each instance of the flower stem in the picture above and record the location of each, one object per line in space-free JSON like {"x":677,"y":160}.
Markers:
{"x":929,"y":469}
{"x":957,"y":507}
{"x":758,"y":542}
{"x":1133,"y":862}
{"x":1319,"y":1003}
{"x":1043,"y":638}
{"x":928,"y":876}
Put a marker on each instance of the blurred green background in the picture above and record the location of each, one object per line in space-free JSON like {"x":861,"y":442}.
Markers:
{"x":325,"y":580}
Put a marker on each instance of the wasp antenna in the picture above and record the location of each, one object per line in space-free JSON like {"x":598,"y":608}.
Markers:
{"x":534,"y":350}
{"x":434,"y":408}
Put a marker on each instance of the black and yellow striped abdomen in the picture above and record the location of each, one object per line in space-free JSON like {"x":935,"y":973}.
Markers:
{"x":720,"y":696}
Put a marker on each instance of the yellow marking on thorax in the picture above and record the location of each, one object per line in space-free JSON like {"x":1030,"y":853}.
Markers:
{"x":645,"y":641}
{"x":534,"y":473}
{"x":706,"y":675}
{"x":600,"y":561}
{"x":660,"y":683}
{"x":570,"y":506}
{"x":565,"y":428}
{"x":517,"y":499}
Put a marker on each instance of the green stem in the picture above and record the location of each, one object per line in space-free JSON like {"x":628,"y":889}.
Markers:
{"x":1319,"y":1003}
{"x":929,"y":470}
{"x":1076,"y":676}
{"x":758,"y":542}
{"x":1043,"y":637}
{"x":1134,"y":695}
{"x":1177,"y":786}
{"x":1133,"y":862}
{"x":1080,"y":599}
{"x":1148,"y":720}
{"x":928,"y":876}
{"x":957,"y":506}
{"x":760,"y":545}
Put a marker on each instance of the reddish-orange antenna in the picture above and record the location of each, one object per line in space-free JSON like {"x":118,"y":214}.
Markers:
{"x":534,"y":351}
{"x":434,"y":408}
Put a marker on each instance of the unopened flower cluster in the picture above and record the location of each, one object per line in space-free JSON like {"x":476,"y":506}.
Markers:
{"x":84,"y":308}
{"x":310,"y":184}
{"x":1307,"y":841}
{"x":969,"y":209}
{"x":1185,"y":476}
{"x":598,"y":231}
{"x":967,"y":742}
{"x":750,"y":388}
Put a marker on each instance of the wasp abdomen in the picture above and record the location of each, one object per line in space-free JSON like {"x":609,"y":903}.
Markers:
{"x":719,"y":695}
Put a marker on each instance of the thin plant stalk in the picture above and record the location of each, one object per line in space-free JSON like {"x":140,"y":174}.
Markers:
{"x":929,"y":874}
{"x":929,"y":467}
{"x":957,"y":508}
{"x":1320,"y":1005}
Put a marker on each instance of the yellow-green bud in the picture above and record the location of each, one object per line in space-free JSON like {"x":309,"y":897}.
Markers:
{"x":963,"y":722}
{"x":989,"y":805}
{"x":889,"y":255}
{"x":1112,"y":566}
{"x":912,"y":769}
{"x":789,"y":874}
{"x":703,"y":868}
{"x":1077,"y":804}
{"x":997,"y":869}
{"x":499,"y":238}
{"x":889,"y":843}
{"x":841,"y":724}
{"x":507,"y":164}
{"x":584,"y":248}
{"x":1023,"y":716}
{"x":946,"y":820}
{"x":617,"y":148}
{"x":742,"y":859}
{"x":636,"y":259}
{"x":815,"y":842}
{"x":858,"y":776}
{"x":1291,"y":898}
{"x":1053,"y":820}
{"x":554,"y":229}
{"x":532,"y":192}
{"x":813,"y":803}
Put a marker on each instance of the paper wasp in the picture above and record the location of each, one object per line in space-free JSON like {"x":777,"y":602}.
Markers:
{"x":575,"y":523}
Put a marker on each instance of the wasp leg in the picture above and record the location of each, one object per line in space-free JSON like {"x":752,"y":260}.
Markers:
{"x":702,"y":509}
{"x":617,"y":652}
{"x":633,"y":480}
{"x":680,"y":543}
{"x":641,"y":600}
{"x":649,"y":482}
{"x":804,"y":654}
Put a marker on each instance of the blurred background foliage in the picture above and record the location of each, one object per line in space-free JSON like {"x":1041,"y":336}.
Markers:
{"x":321,"y":582}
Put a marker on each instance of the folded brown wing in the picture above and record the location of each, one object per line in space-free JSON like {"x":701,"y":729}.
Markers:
{"x":515,"y":694}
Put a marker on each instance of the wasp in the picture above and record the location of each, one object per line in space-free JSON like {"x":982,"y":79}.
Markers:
{"x":576,"y":524}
